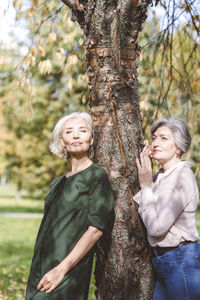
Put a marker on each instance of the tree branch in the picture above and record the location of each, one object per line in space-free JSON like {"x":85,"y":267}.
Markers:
{"x":77,"y":11}
{"x":70,"y":3}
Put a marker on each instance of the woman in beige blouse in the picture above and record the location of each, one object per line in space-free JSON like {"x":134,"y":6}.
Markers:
{"x":167,"y":205}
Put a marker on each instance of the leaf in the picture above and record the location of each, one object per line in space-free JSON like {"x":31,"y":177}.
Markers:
{"x":42,"y":51}
{"x":45,"y":67}
{"x":18,"y":4}
{"x":52,"y":37}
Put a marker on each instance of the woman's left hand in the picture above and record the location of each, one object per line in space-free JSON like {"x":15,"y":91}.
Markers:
{"x":51,"y":280}
{"x":144,"y":169}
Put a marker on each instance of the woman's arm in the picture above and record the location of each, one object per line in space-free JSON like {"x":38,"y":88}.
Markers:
{"x":159,"y":209}
{"x":53,"y":278}
{"x":160,"y":214}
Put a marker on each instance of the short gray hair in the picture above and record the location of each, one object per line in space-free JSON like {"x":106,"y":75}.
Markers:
{"x":180,"y":132}
{"x":55,"y":144}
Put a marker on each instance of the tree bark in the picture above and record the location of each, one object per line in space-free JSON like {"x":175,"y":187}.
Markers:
{"x":123,"y":269}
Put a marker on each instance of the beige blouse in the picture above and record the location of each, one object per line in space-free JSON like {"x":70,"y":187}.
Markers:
{"x":168,"y":208}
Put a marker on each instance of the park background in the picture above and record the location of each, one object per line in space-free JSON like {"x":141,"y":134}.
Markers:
{"x":42,"y":77}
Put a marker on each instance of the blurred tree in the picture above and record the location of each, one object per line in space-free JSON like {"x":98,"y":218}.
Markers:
{"x":169,"y":81}
{"x":35,"y":92}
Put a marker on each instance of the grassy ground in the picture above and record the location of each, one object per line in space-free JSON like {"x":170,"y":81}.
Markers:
{"x":9,"y":202}
{"x":17,"y":237}
{"x":16,"y":246}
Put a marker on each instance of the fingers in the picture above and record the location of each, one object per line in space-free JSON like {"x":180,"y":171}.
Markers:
{"x":144,"y":158}
{"x":46,"y":286}
{"x":144,"y":163}
{"x":40,"y":284}
{"x":50,"y":281}
{"x":147,"y":150}
{"x":138,"y":164}
{"x":50,"y":289}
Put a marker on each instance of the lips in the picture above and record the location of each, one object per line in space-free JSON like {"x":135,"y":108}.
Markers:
{"x":156,"y":150}
{"x":76,"y":143}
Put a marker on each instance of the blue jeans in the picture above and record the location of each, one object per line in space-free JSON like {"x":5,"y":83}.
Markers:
{"x":178,"y":273}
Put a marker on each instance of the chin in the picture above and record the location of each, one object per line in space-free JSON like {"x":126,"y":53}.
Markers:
{"x":154,"y":156}
{"x":157,"y":158}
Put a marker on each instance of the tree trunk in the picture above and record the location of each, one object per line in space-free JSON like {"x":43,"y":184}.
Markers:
{"x":123,"y":269}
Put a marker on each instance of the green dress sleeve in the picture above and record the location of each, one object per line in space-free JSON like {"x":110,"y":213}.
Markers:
{"x":100,"y":202}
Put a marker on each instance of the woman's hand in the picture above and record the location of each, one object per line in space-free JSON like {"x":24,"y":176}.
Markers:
{"x":51,"y":280}
{"x":147,"y":150}
{"x":144,"y":167}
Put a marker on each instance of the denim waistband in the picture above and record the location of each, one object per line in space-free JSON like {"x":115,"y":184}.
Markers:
{"x":183,"y":246}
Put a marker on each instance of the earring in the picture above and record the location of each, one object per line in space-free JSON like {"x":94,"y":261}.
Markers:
{"x":91,"y":152}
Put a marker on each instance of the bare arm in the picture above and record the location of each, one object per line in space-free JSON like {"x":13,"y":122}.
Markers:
{"x":53,"y":278}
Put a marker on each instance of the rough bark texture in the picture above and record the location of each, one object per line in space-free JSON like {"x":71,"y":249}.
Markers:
{"x":123,"y":268}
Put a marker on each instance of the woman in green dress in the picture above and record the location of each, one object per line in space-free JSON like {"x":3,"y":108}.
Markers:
{"x":76,"y":213}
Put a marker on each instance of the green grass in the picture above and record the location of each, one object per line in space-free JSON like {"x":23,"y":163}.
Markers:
{"x":9,"y":202}
{"x":198,"y":213}
{"x":16,"y":247}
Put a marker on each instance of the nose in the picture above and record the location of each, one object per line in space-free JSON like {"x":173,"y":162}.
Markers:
{"x":155,"y":143}
{"x":76,"y":134}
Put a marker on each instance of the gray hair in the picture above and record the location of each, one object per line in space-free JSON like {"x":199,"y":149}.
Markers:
{"x":180,"y":132}
{"x":55,"y":144}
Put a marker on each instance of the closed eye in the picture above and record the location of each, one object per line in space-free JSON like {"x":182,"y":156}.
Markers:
{"x":68,"y":132}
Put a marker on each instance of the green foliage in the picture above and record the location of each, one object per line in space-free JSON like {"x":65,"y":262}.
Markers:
{"x":169,"y":79}
{"x":37,"y":91}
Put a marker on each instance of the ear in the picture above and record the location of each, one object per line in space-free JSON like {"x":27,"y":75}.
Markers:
{"x":62,"y":142}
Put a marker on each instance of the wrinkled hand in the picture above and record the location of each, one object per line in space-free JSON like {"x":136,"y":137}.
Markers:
{"x":144,"y":167}
{"x":50,"y":280}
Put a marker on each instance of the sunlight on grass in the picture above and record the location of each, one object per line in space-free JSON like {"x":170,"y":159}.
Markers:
{"x":9,"y":202}
{"x":16,"y":248}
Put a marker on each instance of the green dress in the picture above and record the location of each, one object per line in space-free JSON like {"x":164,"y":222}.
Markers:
{"x":72,"y":204}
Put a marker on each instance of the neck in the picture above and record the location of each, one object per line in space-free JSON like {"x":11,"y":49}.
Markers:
{"x":169,"y":164}
{"x":80,"y":163}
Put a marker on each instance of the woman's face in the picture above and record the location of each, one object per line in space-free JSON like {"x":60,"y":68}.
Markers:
{"x":76,"y":136}
{"x":163,"y":146}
